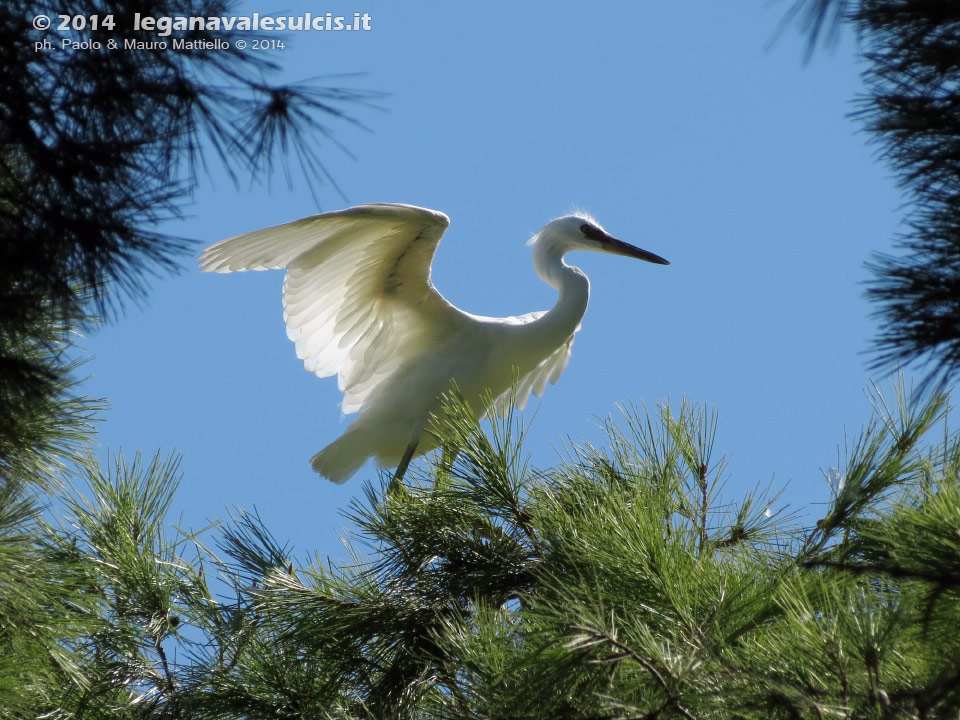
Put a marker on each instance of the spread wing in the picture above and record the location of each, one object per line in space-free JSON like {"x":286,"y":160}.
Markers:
{"x":548,"y":370}
{"x":358,"y":300}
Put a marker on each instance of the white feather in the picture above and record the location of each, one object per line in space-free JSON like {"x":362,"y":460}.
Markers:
{"x":358,"y":302}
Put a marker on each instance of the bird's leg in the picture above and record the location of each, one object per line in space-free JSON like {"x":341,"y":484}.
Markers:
{"x":402,"y":467}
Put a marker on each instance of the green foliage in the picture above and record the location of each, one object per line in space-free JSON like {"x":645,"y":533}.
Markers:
{"x":97,"y":147}
{"x":44,"y":424}
{"x":622,"y":583}
{"x":44,"y":609}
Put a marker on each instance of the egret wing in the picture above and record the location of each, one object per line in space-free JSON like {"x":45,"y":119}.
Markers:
{"x":548,"y":370}
{"x":358,"y":300}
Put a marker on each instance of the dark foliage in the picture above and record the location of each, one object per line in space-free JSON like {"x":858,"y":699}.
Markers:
{"x":912,"y":110}
{"x":98,"y":147}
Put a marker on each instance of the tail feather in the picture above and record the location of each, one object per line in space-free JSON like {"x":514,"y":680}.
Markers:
{"x":339,"y":460}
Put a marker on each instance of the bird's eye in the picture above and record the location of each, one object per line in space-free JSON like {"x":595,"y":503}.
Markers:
{"x":592,"y":232}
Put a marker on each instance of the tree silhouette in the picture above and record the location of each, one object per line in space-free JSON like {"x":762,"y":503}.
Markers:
{"x":912,"y":110}
{"x":97,"y":148}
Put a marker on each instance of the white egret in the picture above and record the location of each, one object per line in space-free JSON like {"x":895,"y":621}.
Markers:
{"x":358,"y":302}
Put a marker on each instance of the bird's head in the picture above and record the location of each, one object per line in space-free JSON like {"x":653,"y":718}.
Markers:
{"x":582,"y":232}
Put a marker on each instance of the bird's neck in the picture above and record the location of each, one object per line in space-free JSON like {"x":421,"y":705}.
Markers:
{"x":573,"y":289}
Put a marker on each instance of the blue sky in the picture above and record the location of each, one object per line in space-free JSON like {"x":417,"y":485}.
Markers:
{"x":673,"y":123}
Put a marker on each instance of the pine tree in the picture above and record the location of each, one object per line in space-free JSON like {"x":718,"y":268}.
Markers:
{"x":622,"y":583}
{"x":912,"y":111}
{"x":96,"y":148}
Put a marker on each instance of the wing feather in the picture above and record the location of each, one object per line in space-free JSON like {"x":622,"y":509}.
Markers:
{"x":357,"y":296}
{"x":548,"y":370}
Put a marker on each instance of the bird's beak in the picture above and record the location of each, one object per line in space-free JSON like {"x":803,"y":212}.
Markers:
{"x":619,"y":247}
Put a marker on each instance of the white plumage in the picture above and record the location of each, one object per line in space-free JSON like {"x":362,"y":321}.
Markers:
{"x":358,"y":302}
